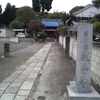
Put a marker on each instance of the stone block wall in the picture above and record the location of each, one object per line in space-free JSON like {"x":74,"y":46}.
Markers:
{"x":61,"y":40}
{"x":73,"y":48}
{"x":95,"y":68}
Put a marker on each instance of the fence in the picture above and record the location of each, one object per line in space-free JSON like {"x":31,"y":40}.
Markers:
{"x":95,"y":68}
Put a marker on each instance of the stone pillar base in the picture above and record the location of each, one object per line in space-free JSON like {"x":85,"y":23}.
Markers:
{"x":73,"y":95}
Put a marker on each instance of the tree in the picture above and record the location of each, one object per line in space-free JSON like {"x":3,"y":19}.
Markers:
{"x":59,"y":15}
{"x":42,"y":4}
{"x":9,"y":14}
{"x":0,"y":9}
{"x":96,"y":18}
{"x":16,"y":24}
{"x":65,"y":17}
{"x":0,"y":14}
{"x":36,"y":26}
{"x":96,"y":27}
{"x":96,"y":3}
{"x":25,"y":14}
{"x":36,"y":5}
{"x":75,"y":9}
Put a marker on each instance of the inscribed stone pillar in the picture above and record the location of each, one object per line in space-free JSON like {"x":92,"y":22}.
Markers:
{"x":84,"y":52}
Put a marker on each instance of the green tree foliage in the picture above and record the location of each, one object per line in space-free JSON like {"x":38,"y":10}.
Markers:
{"x":16,"y":24}
{"x":36,"y":26}
{"x":25,"y":14}
{"x":36,"y":5}
{"x":59,"y":15}
{"x":41,"y":4}
{"x":96,"y":27}
{"x":43,"y":35}
{"x":0,"y":14}
{"x":55,"y":15}
{"x":96,"y":3}
{"x":96,"y":18}
{"x":0,"y":9}
{"x":65,"y":17}
{"x":9,"y":14}
{"x":75,"y":9}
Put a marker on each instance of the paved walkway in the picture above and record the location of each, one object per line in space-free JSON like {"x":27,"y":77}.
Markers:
{"x":49,"y":68}
{"x":19,"y":84}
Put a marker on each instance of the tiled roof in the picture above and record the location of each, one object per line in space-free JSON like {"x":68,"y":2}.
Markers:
{"x":90,"y":5}
{"x":88,"y":11}
{"x":18,"y":30}
{"x":51,"y":22}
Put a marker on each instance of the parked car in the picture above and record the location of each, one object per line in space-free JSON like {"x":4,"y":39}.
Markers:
{"x":20,"y":35}
{"x":97,"y":37}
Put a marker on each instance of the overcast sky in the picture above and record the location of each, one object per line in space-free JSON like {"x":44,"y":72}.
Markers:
{"x":57,"y":5}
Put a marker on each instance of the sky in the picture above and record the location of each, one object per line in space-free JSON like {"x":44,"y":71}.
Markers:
{"x":57,"y":5}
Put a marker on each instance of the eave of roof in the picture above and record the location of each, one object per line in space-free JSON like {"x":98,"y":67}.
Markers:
{"x":90,"y":5}
{"x":51,"y":22}
{"x":18,"y":30}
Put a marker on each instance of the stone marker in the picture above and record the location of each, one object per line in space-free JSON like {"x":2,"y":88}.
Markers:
{"x":83,"y":63}
{"x":83,"y":90}
{"x":6,"y":49}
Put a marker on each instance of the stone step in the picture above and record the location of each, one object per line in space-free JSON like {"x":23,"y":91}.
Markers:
{"x":50,"y":40}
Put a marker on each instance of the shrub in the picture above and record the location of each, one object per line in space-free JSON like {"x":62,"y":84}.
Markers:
{"x":96,"y":26}
{"x":35,"y":38}
{"x":43,"y":35}
{"x":64,"y":30}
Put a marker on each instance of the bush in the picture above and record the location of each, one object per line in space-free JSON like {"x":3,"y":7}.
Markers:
{"x":64,"y":30}
{"x":29,"y":35}
{"x":35,"y":38}
{"x":43,"y":35}
{"x":96,"y":27}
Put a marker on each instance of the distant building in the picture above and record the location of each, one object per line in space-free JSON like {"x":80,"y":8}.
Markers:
{"x":84,"y":14}
{"x":51,"y":26}
{"x":5,"y":32}
{"x":18,"y":30}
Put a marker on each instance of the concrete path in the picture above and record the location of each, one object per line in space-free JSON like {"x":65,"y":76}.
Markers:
{"x":19,"y":84}
{"x":58,"y":70}
{"x":10,"y":64}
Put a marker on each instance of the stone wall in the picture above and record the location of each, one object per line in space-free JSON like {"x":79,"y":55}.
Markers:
{"x":61,"y":40}
{"x":95,"y":68}
{"x":73,"y":48}
{"x":12,"y":39}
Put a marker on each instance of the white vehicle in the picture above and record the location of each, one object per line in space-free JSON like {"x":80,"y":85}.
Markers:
{"x":20,"y":35}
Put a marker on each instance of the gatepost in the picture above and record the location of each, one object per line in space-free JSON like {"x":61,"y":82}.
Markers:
{"x":7,"y":49}
{"x":83,"y":90}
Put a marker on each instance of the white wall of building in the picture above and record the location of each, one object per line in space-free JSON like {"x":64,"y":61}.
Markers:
{"x":5,"y":32}
{"x":10,"y":33}
{"x":2,"y":32}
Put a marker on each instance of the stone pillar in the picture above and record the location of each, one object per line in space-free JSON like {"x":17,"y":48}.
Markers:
{"x":67,"y":45}
{"x":7,"y":49}
{"x":84,"y":52}
{"x":82,"y":90}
